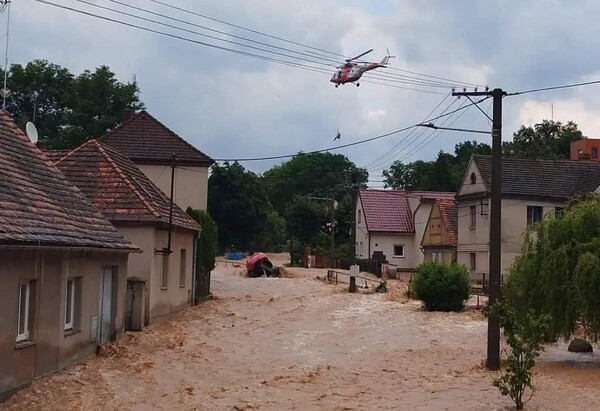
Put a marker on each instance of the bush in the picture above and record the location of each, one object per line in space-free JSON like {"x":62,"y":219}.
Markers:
{"x":442,"y":287}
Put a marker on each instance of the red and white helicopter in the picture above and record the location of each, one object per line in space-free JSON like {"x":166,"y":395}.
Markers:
{"x":353,"y":70}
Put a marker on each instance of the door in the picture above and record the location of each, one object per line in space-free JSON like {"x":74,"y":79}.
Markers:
{"x":105,"y":305}
{"x":129,"y":299}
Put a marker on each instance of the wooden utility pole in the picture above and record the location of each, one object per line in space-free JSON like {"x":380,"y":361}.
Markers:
{"x":493,"y":342}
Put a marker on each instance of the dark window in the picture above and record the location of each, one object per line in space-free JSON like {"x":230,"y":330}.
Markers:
{"x":182,"y":268}
{"x":534,"y":214}
{"x":473,"y":261}
{"x":473,"y":216}
{"x":473,"y":178}
{"x":398,"y":250}
{"x":359,"y":216}
{"x":594,"y":152}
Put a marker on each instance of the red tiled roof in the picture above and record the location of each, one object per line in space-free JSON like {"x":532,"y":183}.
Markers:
{"x":55,"y":155}
{"x":38,"y":205}
{"x":386,"y":211}
{"x":449,"y":214}
{"x":118,"y":188}
{"x":145,"y":140}
{"x":432,"y":195}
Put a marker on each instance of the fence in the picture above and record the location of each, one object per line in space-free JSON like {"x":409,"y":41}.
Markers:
{"x":337,"y":276}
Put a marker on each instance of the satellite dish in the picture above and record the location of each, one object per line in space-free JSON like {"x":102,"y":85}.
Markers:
{"x":31,"y":132}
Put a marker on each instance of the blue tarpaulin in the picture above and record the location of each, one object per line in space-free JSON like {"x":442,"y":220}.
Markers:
{"x":235,"y":256}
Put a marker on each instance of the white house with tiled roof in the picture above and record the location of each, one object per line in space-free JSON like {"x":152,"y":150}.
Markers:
{"x":531,"y":190}
{"x":151,"y":145}
{"x":390,"y":225}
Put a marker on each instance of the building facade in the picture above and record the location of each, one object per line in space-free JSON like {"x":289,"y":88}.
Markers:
{"x":531,"y":190}
{"x":140,"y":211}
{"x":154,"y":149}
{"x":390,"y":225}
{"x":441,"y":232}
{"x":63,"y":271}
{"x":585,"y":149}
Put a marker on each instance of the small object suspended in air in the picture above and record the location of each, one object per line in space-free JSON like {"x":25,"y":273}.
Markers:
{"x":337,"y":136}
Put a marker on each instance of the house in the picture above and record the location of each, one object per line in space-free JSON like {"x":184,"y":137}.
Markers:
{"x":154,"y":149}
{"x":531,"y":190}
{"x":585,"y":149}
{"x":441,"y":232}
{"x":140,"y":211}
{"x":390,"y":225}
{"x":63,"y":271}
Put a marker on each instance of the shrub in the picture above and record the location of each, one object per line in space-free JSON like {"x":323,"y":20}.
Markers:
{"x":442,"y":287}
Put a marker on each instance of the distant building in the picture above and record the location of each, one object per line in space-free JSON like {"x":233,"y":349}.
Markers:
{"x":63,"y":267}
{"x":585,"y":149}
{"x":150,"y":145}
{"x":441,"y":232}
{"x":390,"y":224}
{"x":140,"y":211}
{"x":531,"y":190}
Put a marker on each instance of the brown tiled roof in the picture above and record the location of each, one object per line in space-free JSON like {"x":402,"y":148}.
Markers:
{"x":449,"y":214}
{"x":55,"y":155}
{"x":145,"y":140}
{"x":38,"y":205}
{"x":119,"y":189}
{"x":560,"y":179}
{"x":386,"y":211}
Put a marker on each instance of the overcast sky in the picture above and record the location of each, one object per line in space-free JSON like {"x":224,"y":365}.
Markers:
{"x":232,"y":106}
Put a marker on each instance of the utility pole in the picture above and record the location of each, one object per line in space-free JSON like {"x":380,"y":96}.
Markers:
{"x":331,"y":204}
{"x":493,"y":342}
{"x":352,"y":288}
{"x":173,"y":166}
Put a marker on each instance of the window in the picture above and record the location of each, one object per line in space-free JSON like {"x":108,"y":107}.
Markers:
{"x":398,"y":250}
{"x":182,"y":267}
{"x":356,"y":248}
{"x":473,"y":261}
{"x":436,"y":257}
{"x":594,"y":152}
{"x":473,"y":210}
{"x":359,"y":216}
{"x":534,"y":214}
{"x":164,"y":274}
{"x":70,"y":304}
{"x":23,"y":321}
{"x":361,"y":248}
{"x":473,"y":178}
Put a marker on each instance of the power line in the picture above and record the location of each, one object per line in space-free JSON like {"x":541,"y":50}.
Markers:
{"x":536,"y":90}
{"x":198,"y":42}
{"x":294,"y":42}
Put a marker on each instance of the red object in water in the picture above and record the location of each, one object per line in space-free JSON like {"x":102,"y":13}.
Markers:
{"x":253,"y":260}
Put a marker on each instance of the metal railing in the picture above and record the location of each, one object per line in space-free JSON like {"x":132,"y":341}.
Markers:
{"x":336,"y":276}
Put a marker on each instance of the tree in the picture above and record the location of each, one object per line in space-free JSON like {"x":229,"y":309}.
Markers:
{"x":206,"y":247}
{"x":442,"y":287}
{"x":546,"y":140}
{"x":68,"y":110}
{"x":443,"y":174}
{"x":239,"y":205}
{"x":557,"y":274}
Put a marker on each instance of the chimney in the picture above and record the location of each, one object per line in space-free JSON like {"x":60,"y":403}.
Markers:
{"x":126,"y":115}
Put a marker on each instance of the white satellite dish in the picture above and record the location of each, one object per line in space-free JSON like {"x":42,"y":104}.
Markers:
{"x":31,"y":132}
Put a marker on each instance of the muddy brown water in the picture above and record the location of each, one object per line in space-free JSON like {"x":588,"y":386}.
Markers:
{"x":299,"y":343}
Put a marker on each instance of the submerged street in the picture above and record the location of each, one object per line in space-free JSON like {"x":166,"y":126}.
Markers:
{"x":299,"y":343}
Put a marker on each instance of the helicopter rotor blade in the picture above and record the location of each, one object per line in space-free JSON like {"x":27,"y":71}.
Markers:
{"x":360,"y":55}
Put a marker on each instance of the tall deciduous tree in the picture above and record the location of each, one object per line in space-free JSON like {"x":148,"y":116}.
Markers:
{"x":238,"y":202}
{"x":557,"y":274}
{"x":67,"y":109}
{"x":546,"y":140}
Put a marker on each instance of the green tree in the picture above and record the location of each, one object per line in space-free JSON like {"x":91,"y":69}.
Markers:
{"x":238,"y":202}
{"x":557,"y":274}
{"x":273,"y":237}
{"x":68,"y":109}
{"x":545,"y":140}
{"x":305,"y":219}
{"x":206,"y":247}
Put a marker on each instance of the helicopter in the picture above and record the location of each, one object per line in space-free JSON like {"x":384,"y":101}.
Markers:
{"x":352,"y":70}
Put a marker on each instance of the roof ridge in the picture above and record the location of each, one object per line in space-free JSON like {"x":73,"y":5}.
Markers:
{"x":123,"y":176}
{"x":129,"y":120}
{"x":73,"y":151}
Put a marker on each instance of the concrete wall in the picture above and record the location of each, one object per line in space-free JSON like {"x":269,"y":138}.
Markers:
{"x":49,"y":346}
{"x":362,"y":235}
{"x":148,"y":266}
{"x":385,"y":242}
{"x":191,"y":183}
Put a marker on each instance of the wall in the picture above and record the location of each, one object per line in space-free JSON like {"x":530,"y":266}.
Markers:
{"x":420,"y":218}
{"x":385,"y":242}
{"x":50,"y":347}
{"x":362,"y":235}
{"x":148,"y":266}
{"x":514,"y":222}
{"x":585,"y":145}
{"x":174,"y":297}
{"x":191,"y":183}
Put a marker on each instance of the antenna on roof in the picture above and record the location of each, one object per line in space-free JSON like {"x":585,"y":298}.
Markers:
{"x":5,"y":6}
{"x":31,"y":132}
